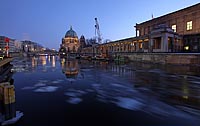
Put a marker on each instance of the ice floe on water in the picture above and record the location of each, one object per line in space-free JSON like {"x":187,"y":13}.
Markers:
{"x":195,"y":82}
{"x":128,"y":103}
{"x":18,"y":69}
{"x":74,"y":100}
{"x":33,"y":87}
{"x":43,"y":86}
{"x":74,"y":96}
{"x":195,"y":77}
{"x":162,"y":109}
{"x":43,"y":81}
{"x":57,"y":81}
{"x":126,"y":97}
{"x":71,"y":79}
{"x":172,"y":75}
{"x":112,"y":89}
{"x":46,"y":89}
{"x":72,"y":92}
{"x":89,"y":90}
{"x":107,"y":93}
{"x":27,"y":88}
{"x":96,"y":85}
{"x":118,"y":85}
{"x":190,"y":110}
{"x":39,"y":85}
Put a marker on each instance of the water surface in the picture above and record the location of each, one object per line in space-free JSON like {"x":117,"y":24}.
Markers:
{"x":58,"y":92}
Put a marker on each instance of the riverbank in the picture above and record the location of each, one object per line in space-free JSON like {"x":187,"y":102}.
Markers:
{"x":164,"y":58}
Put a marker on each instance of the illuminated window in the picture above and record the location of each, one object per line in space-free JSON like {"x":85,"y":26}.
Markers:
{"x":174,"y":28}
{"x":186,"y":47}
{"x":189,"y":25}
{"x":138,"y":33}
{"x":140,"y":45}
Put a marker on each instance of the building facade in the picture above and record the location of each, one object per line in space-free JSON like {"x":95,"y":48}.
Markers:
{"x":29,"y":46}
{"x":10,"y":45}
{"x":175,"y":32}
{"x":82,"y":42}
{"x":184,"y":22}
{"x":18,"y":46}
{"x":160,"y":39}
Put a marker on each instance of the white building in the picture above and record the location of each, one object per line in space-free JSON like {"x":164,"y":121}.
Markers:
{"x":4,"y":44}
{"x":18,"y":46}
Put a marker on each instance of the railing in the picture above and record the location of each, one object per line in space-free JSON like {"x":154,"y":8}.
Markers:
{"x":5,"y":61}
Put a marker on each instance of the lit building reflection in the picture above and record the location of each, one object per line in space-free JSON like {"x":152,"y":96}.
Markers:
{"x":43,"y":60}
{"x":8,"y":113}
{"x":185,"y":88}
{"x":34,"y":61}
{"x":70,"y":68}
{"x":53,"y":61}
{"x":49,"y":58}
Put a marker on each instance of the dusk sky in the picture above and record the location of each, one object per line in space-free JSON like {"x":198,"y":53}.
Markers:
{"x":46,"y":21}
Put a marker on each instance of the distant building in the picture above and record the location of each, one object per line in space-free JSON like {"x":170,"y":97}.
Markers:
{"x":29,"y":46}
{"x":82,"y":42}
{"x":3,"y":44}
{"x":70,"y":43}
{"x":18,"y":46}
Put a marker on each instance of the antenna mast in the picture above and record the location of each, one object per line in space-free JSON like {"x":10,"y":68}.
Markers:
{"x":97,"y":32}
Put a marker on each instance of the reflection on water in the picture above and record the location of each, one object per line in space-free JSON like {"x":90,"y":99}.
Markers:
{"x":160,"y":91}
{"x":164,"y":86}
{"x":32,"y":63}
{"x":173,"y":84}
{"x":70,"y":67}
{"x":43,"y":60}
{"x":53,"y":61}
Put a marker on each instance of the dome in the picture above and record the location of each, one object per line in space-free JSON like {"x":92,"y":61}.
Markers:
{"x":71,"y":33}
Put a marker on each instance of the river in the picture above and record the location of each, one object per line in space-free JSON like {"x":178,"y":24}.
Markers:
{"x":57,"y":92}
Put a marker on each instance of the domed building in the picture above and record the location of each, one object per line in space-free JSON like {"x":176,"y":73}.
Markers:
{"x":70,"y":43}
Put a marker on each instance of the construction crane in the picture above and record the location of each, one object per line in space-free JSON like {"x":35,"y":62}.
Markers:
{"x":97,"y":32}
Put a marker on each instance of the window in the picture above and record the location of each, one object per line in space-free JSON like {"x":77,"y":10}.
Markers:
{"x":140,"y":45}
{"x":149,"y":29}
{"x":174,"y":28}
{"x":138,"y":33}
{"x":157,"y":43}
{"x":189,"y":25}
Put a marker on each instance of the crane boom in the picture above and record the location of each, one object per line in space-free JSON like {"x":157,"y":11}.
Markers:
{"x":97,"y":32}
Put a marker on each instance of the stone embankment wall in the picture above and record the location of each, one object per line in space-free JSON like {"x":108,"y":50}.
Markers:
{"x":165,"y":58}
{"x":17,"y":54}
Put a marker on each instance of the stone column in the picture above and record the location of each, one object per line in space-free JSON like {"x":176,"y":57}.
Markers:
{"x":164,"y":43}
{"x":151,"y":45}
{"x":137,"y":46}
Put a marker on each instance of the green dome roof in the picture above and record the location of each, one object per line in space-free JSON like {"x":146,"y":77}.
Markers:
{"x":71,"y":33}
